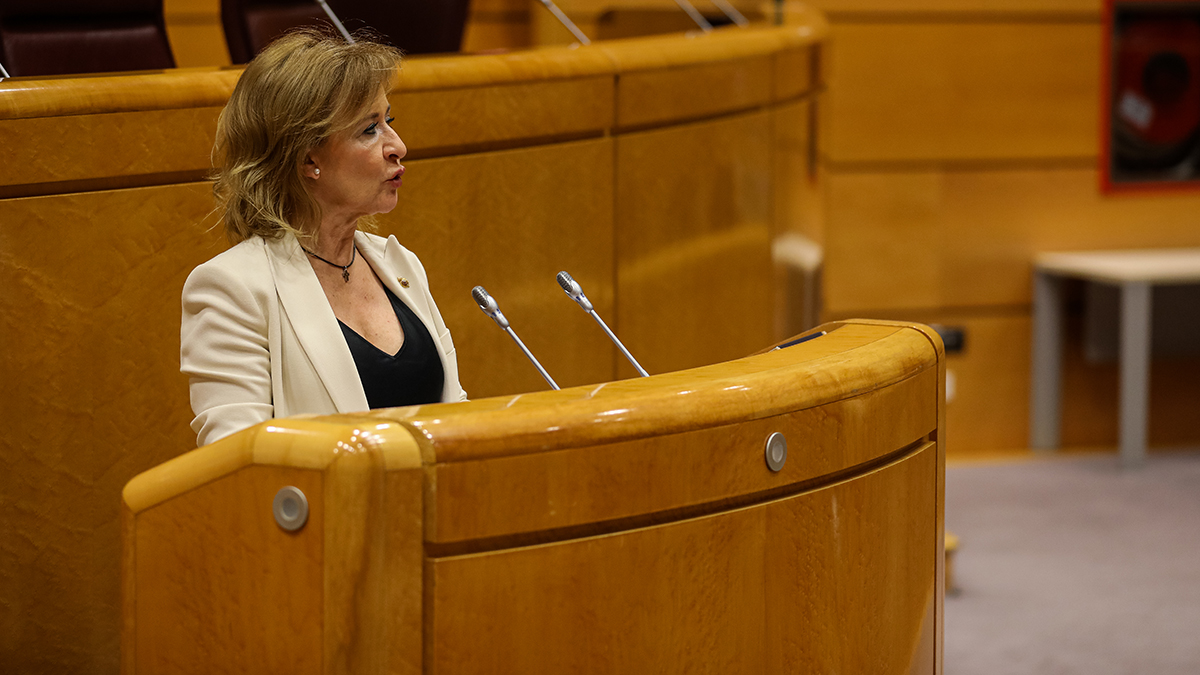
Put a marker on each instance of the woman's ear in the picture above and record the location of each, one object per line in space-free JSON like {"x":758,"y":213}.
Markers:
{"x":311,"y":170}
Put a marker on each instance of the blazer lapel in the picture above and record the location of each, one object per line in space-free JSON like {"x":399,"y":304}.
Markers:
{"x":389,"y":265}
{"x":314,"y":324}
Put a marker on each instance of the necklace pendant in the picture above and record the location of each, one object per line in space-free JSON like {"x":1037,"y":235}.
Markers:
{"x":346,"y":275}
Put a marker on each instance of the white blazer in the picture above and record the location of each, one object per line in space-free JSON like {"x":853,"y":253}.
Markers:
{"x":259,"y":340}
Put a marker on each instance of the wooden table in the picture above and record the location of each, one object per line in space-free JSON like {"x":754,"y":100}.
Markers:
{"x":1135,"y":273}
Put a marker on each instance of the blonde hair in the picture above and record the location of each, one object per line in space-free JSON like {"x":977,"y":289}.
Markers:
{"x":300,"y":90}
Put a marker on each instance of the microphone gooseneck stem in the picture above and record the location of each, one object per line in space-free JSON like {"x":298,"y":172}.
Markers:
{"x":575,"y":292}
{"x":531,"y":358}
{"x":566,"y":22}
{"x":612,"y":336}
{"x":732,"y":12}
{"x":489,"y":306}
{"x":696,"y":15}
{"x":336,"y":21}
{"x":3,"y":73}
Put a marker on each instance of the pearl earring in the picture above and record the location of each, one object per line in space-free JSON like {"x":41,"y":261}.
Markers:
{"x":317,"y":172}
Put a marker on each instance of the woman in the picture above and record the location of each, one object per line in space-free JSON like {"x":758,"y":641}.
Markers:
{"x":307,"y":313}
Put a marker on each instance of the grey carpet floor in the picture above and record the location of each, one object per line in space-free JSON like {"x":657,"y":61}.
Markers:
{"x":1074,"y":565}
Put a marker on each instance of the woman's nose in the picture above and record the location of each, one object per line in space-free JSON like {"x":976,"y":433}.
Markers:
{"x":395,"y":147}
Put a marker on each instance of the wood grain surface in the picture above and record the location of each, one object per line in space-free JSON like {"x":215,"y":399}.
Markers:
{"x":223,"y":538}
{"x":212,"y":581}
{"x":834,"y":565}
{"x":707,"y":246}
{"x":981,"y":10}
{"x":532,"y":493}
{"x":847,"y":574}
{"x":513,"y":177}
{"x":510,"y":221}
{"x":876,"y":531}
{"x":968,"y":240}
{"x":960,"y":140}
{"x":945,"y":91}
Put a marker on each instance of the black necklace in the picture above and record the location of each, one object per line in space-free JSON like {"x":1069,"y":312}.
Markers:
{"x":344,"y":268}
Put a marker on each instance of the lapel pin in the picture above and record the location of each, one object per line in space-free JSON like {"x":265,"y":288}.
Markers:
{"x":403,"y":282}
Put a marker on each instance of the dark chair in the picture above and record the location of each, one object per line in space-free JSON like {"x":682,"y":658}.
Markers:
{"x":60,"y":37}
{"x":415,"y":26}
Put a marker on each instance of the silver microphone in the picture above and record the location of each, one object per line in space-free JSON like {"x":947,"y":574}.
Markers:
{"x":695,"y":14}
{"x":3,"y":73}
{"x":732,"y":12}
{"x":562,"y":18}
{"x":336,"y":22}
{"x":575,"y":292}
{"x":488,"y":304}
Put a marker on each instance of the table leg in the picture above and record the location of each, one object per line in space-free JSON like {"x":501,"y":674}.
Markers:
{"x":1135,"y":371}
{"x":1045,"y":400}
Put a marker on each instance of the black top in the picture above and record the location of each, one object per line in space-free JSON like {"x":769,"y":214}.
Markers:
{"x":411,"y":376}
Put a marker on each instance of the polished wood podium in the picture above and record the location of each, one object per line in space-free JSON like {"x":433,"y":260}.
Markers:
{"x":635,"y":526}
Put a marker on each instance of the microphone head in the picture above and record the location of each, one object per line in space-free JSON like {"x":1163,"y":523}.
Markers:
{"x":482,"y":298}
{"x":488,"y":304}
{"x":574,"y":290}
{"x":568,"y":284}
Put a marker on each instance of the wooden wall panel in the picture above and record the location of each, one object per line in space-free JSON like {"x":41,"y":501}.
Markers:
{"x":921,"y":92}
{"x":927,"y":239}
{"x":960,"y":139}
{"x":441,"y":122}
{"x":498,"y":24}
{"x":989,"y":410}
{"x":730,"y":71}
{"x":799,"y":211}
{"x":89,"y":321}
{"x":699,"y":91}
{"x":799,"y":199}
{"x":99,"y":94}
{"x":955,"y":247}
{"x":546,"y":209}
{"x":882,"y":247}
{"x":847,"y":9}
{"x":485,"y":34}
{"x":693,"y":213}
{"x":798,"y":72}
{"x":117,"y":144}
{"x":616,"y":19}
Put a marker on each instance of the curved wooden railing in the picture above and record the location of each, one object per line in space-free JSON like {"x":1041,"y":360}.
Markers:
{"x":629,"y":527}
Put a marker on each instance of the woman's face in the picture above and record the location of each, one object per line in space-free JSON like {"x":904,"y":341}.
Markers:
{"x":359,"y":169}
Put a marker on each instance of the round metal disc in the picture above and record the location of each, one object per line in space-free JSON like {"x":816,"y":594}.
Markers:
{"x":290,"y":508}
{"x":776,"y":451}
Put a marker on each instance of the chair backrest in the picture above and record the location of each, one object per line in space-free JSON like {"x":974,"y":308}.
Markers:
{"x":251,"y":25}
{"x":59,"y":37}
{"x":415,"y":26}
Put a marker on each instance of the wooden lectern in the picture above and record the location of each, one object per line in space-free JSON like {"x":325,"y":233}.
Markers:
{"x":638,"y":526}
